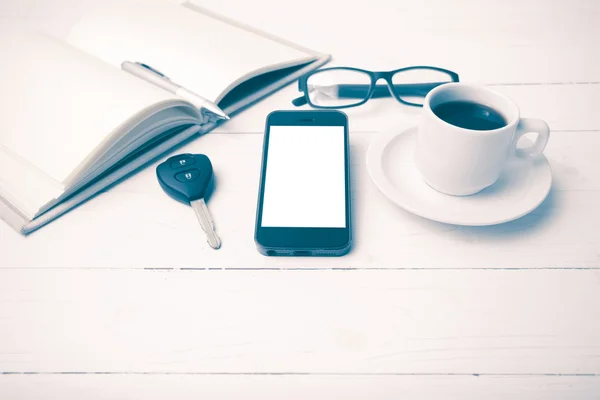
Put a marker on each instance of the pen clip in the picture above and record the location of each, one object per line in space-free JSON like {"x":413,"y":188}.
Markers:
{"x":152,"y":69}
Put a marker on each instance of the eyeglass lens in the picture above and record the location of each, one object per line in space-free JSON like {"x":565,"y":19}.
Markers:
{"x":338,"y":87}
{"x":413,"y":85}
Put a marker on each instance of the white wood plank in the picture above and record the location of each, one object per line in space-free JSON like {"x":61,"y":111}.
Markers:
{"x":398,"y":322}
{"x":136,"y":225}
{"x":55,"y":17}
{"x":564,"y":107}
{"x":193,"y":387}
{"x":553,"y":42}
{"x":488,"y":41}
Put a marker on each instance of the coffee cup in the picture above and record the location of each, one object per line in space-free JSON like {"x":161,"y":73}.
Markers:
{"x":467,"y":134}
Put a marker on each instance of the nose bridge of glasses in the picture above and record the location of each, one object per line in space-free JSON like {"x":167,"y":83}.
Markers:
{"x":383,"y":90}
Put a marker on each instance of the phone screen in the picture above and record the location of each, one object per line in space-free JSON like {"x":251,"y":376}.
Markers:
{"x":305,"y":177}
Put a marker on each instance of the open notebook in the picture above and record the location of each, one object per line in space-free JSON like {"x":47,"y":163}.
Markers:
{"x":72,"y":122}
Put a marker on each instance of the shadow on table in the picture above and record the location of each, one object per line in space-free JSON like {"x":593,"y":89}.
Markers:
{"x":531,"y":223}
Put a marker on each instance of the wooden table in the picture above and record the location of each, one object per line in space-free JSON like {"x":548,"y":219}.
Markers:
{"x":123,"y":299}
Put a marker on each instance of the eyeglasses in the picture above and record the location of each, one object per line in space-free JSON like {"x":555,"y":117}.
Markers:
{"x":343,"y":87}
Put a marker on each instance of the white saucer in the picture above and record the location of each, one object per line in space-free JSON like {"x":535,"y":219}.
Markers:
{"x":523,"y":185}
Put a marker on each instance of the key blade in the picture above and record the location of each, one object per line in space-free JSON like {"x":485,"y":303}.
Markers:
{"x":206,"y":222}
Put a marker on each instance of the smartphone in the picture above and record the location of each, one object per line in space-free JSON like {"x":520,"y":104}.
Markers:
{"x":304,"y":192}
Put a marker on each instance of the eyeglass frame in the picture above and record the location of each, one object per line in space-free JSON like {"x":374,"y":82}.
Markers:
{"x":374,"y":89}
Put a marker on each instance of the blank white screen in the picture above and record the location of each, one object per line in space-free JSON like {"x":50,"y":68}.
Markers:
{"x":305,"y":178}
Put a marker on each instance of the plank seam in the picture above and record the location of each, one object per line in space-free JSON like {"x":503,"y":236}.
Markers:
{"x":300,"y":373}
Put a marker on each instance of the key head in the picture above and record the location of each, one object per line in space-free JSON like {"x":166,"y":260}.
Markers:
{"x":185,"y":177}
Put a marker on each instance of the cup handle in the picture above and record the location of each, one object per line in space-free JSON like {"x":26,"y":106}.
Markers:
{"x":527,"y":125}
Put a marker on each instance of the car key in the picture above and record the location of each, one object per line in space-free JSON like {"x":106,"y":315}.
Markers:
{"x":186,"y":177}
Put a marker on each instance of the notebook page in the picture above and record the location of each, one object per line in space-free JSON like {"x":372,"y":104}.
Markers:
{"x":59,"y":104}
{"x":194,"y":50}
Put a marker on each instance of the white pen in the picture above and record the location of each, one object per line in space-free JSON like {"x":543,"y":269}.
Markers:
{"x":155,"y":77}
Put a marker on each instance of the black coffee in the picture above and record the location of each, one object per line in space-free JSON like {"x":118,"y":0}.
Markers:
{"x":465,"y":114}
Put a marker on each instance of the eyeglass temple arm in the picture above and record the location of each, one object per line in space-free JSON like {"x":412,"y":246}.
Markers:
{"x":300,"y":101}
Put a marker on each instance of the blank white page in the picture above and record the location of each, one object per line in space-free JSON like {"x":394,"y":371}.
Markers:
{"x":194,"y":50}
{"x":59,"y":104}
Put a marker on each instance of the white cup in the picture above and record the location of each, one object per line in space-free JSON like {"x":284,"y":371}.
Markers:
{"x":459,"y":161}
